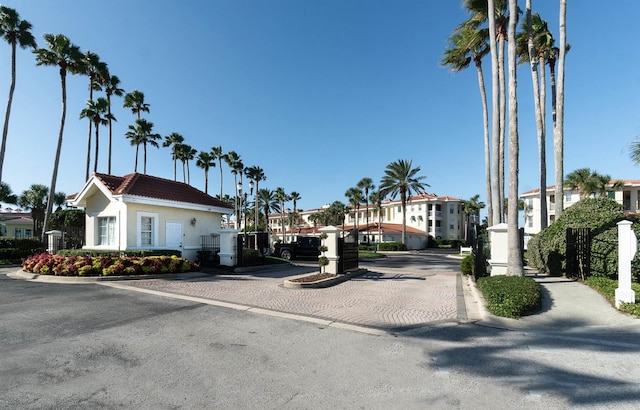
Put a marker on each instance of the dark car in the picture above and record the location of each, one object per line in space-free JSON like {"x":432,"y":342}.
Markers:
{"x":303,"y":247}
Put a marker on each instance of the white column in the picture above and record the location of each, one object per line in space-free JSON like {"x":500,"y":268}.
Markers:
{"x":627,"y":246}
{"x":228,"y":247}
{"x":633,"y":206}
{"x":331,"y":242}
{"x":499,"y":249}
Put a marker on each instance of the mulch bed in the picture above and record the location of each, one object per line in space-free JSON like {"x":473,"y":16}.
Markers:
{"x":315,"y":277}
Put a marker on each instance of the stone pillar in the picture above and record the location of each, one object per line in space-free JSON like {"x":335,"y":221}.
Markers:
{"x":228,"y":247}
{"x":53,"y":241}
{"x":627,"y":247}
{"x":499,"y":249}
{"x":331,"y":242}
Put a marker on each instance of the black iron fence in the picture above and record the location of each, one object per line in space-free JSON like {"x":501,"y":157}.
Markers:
{"x":348,"y":252}
{"x":578,"y":252}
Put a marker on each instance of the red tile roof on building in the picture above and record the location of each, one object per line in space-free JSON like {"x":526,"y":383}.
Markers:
{"x":159,"y":188}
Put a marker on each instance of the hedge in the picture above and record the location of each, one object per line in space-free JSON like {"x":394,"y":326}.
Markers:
{"x":510,"y":296}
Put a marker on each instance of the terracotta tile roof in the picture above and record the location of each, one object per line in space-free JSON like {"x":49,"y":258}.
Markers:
{"x":159,"y":188}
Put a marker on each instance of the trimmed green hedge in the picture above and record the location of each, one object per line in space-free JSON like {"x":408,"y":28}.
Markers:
{"x":392,"y":246}
{"x":13,"y":250}
{"x":139,"y":253}
{"x":547,"y":250}
{"x":466,"y":265}
{"x":510,"y":296}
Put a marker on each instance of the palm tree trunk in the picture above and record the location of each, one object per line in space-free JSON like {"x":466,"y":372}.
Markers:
{"x":487,"y":146}
{"x":144,"y":156}
{"x":503,"y":117}
{"x":206,"y":182}
{"x":514,"y":258}
{"x":5,"y":129}
{"x":86,"y":178}
{"x":95,"y":164}
{"x":544,"y":215}
{"x":54,"y":175}
{"x":537,"y":101}
{"x":110,"y":135}
{"x":495,"y":116}
{"x":404,"y":217}
{"x":558,"y":132}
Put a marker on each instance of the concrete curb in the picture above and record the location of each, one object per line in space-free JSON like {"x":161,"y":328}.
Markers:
{"x":323,"y":283}
{"x":34,"y":277}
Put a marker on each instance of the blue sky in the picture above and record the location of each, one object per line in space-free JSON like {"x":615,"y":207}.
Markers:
{"x":318,"y":93}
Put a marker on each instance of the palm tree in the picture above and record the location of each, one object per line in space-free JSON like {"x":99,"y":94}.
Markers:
{"x":217,"y":154}
{"x":337,"y":211}
{"x":256,"y":174}
{"x":111,"y":85}
{"x":67,"y":57}
{"x":591,"y":183}
{"x":135,"y":101}
{"x":514,"y":258}
{"x":98,"y":113}
{"x":282,"y":197}
{"x":354,"y":195}
{"x":471,"y":207}
{"x":495,"y":12}
{"x":468,"y":44}
{"x":268,"y":203}
{"x":6,"y":194}
{"x":295,"y":197}
{"x":186,"y":154}
{"x":376,"y":198}
{"x":16,"y":32}
{"x":401,"y":178}
{"x":366,"y":185}
{"x":35,"y":199}
{"x":558,"y":130}
{"x":142,"y":134}
{"x":95,"y":70}
{"x":173,"y":140}
{"x":205,"y":161}
{"x":235,"y":164}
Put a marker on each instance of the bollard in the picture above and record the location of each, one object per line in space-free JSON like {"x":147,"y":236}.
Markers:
{"x":627,"y":247}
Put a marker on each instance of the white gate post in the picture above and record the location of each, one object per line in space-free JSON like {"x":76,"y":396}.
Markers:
{"x":627,"y":247}
{"x":499,"y":249}
{"x":228,"y":247}
{"x":332,"y":248}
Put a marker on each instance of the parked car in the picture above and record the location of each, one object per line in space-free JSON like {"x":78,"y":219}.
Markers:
{"x":303,"y":247}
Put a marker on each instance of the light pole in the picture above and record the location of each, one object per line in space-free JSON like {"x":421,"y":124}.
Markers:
{"x":238,"y":204}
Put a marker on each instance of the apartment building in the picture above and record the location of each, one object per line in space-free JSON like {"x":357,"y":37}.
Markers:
{"x":627,"y":196}
{"x":441,"y":217}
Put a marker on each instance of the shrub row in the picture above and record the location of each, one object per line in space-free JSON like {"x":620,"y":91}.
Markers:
{"x":607,"y":288}
{"x":141,"y":253}
{"x":547,"y":250}
{"x":48,"y":264}
{"x":392,"y":246}
{"x":510,"y":296}
{"x":13,"y":250}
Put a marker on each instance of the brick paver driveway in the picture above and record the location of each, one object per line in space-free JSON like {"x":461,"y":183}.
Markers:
{"x":401,"y":291}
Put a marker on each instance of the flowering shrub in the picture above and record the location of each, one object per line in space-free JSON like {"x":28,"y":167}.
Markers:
{"x":48,"y":264}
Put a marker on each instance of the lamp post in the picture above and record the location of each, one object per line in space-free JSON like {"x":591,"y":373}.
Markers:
{"x":238,"y":204}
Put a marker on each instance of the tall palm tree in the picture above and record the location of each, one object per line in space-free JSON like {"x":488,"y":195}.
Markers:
{"x":256,"y":174}
{"x":366,"y":185}
{"x":558,"y":131}
{"x":218,"y":155}
{"x":514,"y":258}
{"x":591,"y":183}
{"x":68,"y":58}
{"x":471,"y":207}
{"x":186,"y":154}
{"x":135,"y":101}
{"x":16,"y":32}
{"x":468,"y":44}
{"x":532,"y":46}
{"x":376,"y":198}
{"x":111,"y":85}
{"x":35,"y":199}
{"x":282,"y":197}
{"x":95,"y":70}
{"x":98,"y":113}
{"x":205,"y":161}
{"x":235,"y":164}
{"x":173,"y":140}
{"x":295,"y":197}
{"x":337,"y":211}
{"x":355,"y":198}
{"x":268,"y":202}
{"x":401,"y":178}
{"x":142,"y":134}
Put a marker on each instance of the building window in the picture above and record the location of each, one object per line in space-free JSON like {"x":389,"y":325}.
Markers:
{"x":399,"y":209}
{"x":413,"y":218}
{"x":552,"y":199}
{"x":147,"y":228}
{"x":567,"y":197}
{"x":530,"y":223}
{"x":451,"y":211}
{"x":611,"y":195}
{"x":21,"y":233}
{"x":419,"y":207}
{"x":419,"y":217}
{"x":451,"y":226}
{"x":107,"y":230}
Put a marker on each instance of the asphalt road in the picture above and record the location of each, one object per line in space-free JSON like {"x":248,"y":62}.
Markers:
{"x":91,"y":346}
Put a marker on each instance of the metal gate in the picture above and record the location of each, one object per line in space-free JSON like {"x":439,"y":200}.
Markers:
{"x":348,"y":252}
{"x":578,"y":252}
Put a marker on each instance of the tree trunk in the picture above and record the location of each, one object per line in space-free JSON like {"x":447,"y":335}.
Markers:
{"x":495,"y":116}
{"x":487,"y":144}
{"x":514,"y":258}
{"x":544,"y":214}
{"x":54,"y":175}
{"x":558,"y":132}
{"x":95,"y":164}
{"x":110,"y":135}
{"x":5,"y":129}
{"x":503,"y":128}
